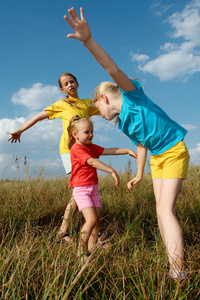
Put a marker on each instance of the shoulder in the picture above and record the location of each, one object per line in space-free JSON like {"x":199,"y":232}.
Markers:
{"x":58,"y":103}
{"x":137,"y":84}
{"x":87,"y":101}
{"x":96,"y":148}
{"x":77,"y":148}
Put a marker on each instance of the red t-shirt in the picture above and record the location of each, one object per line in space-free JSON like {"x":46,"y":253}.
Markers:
{"x":82,"y":173}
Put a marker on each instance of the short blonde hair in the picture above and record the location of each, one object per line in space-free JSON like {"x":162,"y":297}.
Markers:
{"x":106,"y":87}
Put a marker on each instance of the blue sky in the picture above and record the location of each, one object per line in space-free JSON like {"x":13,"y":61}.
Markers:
{"x":156,"y":41}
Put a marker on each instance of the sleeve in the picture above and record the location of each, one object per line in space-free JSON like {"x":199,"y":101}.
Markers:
{"x":54,"y":111}
{"x":80,"y":154}
{"x":137,"y":85}
{"x":98,"y":150}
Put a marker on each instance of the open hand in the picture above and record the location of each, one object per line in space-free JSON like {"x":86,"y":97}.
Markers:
{"x":15,"y":136}
{"x":80,"y":26}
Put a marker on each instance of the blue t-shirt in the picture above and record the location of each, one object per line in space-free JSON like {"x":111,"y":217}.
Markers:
{"x":144,"y":121}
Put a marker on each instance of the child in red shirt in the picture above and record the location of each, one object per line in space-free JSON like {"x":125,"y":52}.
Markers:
{"x":84,"y":180}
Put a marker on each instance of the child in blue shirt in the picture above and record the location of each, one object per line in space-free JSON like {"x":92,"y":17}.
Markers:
{"x":150,"y":128}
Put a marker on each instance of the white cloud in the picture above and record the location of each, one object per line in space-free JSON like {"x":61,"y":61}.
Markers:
{"x":102,"y":125}
{"x":187,"y":23}
{"x":39,"y":143}
{"x":35,"y":167}
{"x":159,"y":8}
{"x":188,"y":126}
{"x":182,"y":57}
{"x":10,"y":125}
{"x":170,"y":65}
{"x":44,"y":136}
{"x":169,"y":47}
{"x":101,"y":138}
{"x":37,"y":97}
{"x":142,"y":58}
{"x":195,"y":155}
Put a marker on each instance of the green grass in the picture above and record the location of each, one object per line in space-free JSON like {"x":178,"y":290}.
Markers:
{"x":34,"y":266}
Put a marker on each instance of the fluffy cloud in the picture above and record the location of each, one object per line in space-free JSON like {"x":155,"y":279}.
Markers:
{"x":40,"y":144}
{"x":195,"y":154}
{"x":177,"y":59}
{"x":37,"y":97}
{"x":13,"y":168}
{"x":43,"y":136}
{"x":188,"y":126}
{"x":141,"y":58}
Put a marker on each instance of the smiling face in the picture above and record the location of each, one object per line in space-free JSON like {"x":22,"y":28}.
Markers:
{"x":69,"y":86}
{"x":83,"y":133}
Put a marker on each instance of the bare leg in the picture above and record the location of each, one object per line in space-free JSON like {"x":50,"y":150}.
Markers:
{"x":157,"y":185}
{"x":91,"y":219}
{"x":93,"y":239}
{"x":68,"y":215}
{"x":166,"y":193}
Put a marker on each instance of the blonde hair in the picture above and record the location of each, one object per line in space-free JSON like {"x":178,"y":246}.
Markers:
{"x":67,"y":99}
{"x":110,"y":88}
{"x":106,"y":87}
{"x":73,"y":124}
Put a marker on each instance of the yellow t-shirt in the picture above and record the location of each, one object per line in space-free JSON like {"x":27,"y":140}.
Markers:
{"x":61,"y":109}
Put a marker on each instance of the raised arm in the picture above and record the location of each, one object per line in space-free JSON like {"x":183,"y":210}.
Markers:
{"x":119,"y":151}
{"x":15,"y":136}
{"x":97,"y":164}
{"x":82,"y":33}
{"x":141,"y":160}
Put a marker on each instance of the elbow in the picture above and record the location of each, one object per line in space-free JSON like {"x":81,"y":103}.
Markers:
{"x":91,"y":162}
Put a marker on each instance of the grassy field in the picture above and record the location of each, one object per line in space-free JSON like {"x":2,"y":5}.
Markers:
{"x":34,"y":266}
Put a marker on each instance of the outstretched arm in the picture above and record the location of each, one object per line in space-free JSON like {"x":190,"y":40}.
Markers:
{"x":119,"y":151}
{"x":141,"y":160}
{"x":15,"y":136}
{"x":82,"y":33}
{"x":103,"y":167}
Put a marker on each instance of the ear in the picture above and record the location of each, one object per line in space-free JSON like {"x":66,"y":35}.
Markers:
{"x":63,"y":91}
{"x":104,"y":98}
{"x":74,"y":134}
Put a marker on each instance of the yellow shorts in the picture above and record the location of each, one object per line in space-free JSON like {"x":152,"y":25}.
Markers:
{"x":172,"y":163}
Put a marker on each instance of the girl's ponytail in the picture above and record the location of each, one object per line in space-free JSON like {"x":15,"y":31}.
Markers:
{"x":71,"y":128}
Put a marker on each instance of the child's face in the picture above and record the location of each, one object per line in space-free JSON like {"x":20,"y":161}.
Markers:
{"x":84,"y":133}
{"x":103,"y":105}
{"x":69,"y":86}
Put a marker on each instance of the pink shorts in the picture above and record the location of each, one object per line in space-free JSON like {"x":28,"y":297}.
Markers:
{"x":86,"y":196}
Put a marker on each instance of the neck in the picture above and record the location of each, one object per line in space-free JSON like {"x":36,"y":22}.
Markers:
{"x":117,"y":104}
{"x":73,"y":96}
{"x":77,"y":142}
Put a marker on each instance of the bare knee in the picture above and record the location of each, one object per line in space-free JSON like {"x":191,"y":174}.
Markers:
{"x":164,"y":211}
{"x":72,"y":204}
{"x":93,"y":221}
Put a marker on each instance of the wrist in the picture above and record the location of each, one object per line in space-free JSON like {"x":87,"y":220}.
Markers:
{"x":86,"y":41}
{"x":18,"y":132}
{"x":140,"y":175}
{"x":112,"y":171}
